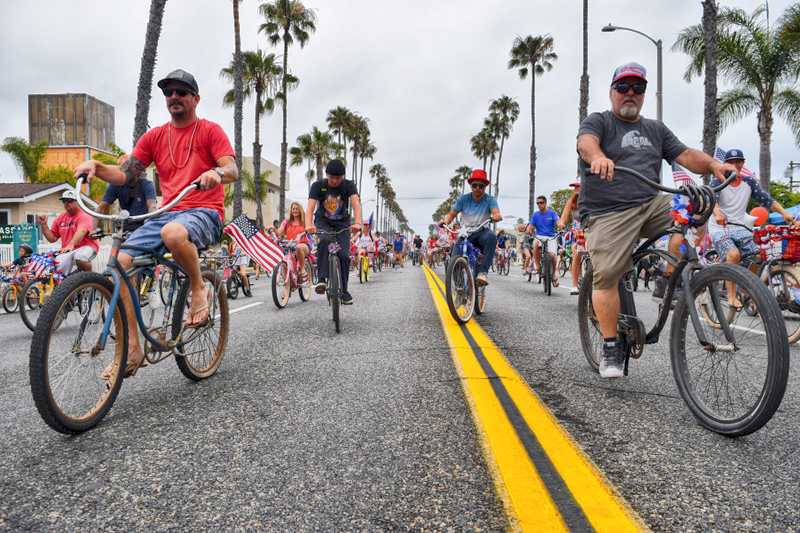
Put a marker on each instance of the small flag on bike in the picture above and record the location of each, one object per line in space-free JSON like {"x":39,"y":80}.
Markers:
{"x":679,"y":175}
{"x":37,"y":265}
{"x":257,"y":244}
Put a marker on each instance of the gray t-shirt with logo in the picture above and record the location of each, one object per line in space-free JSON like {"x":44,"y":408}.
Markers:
{"x":638,"y":145}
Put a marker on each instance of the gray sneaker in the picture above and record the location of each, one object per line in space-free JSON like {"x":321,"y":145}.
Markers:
{"x":612,"y":365}
{"x":321,"y":287}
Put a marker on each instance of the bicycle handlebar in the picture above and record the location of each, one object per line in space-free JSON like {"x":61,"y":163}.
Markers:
{"x":124,"y":215}
{"x":655,"y":185}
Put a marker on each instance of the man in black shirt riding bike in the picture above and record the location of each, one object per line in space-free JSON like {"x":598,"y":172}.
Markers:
{"x":617,"y":210}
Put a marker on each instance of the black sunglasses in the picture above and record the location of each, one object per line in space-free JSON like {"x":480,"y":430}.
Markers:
{"x":180,"y":92}
{"x":540,"y":202}
{"x":623,"y":88}
{"x":478,"y":185}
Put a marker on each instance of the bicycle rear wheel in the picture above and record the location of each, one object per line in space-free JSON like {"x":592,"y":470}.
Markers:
{"x":11,"y":298}
{"x":547,"y":276}
{"x":460,"y":289}
{"x":589,"y":327}
{"x":784,"y":282}
{"x":334,"y":279}
{"x":201,"y":349}
{"x":755,"y":363}
{"x":563,"y":267}
{"x":67,"y":360}
{"x":233,"y":285}
{"x":305,"y":289}
{"x":281,"y":285}
{"x":33,"y":297}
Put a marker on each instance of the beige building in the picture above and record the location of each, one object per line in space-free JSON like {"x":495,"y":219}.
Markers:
{"x":269,"y":208}
{"x":21,"y":202}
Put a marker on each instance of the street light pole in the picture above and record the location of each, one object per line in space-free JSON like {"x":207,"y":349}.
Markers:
{"x":659,"y":96}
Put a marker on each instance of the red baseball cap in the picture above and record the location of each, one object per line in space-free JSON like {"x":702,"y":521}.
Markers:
{"x":629,"y":70}
{"x":478,"y":174}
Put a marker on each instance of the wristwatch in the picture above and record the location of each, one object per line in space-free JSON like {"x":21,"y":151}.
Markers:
{"x":219,"y":171}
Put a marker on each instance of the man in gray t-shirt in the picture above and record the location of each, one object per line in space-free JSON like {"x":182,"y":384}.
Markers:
{"x":617,"y":210}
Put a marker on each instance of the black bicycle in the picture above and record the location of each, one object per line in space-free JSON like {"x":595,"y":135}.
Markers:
{"x":547,"y":270}
{"x":732,"y":372}
{"x":334,"y":290}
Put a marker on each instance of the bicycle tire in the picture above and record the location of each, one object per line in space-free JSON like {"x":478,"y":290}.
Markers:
{"x":588,"y":326}
{"x":31,"y":305}
{"x":334,"y":278}
{"x":786,"y":301}
{"x":547,"y":268}
{"x":218,"y":305}
{"x":280,"y":273}
{"x":11,"y":299}
{"x":777,"y":372}
{"x":563,"y":267}
{"x":233,"y":285}
{"x":49,"y":409}
{"x":164,"y":284}
{"x":459,"y":278}
{"x":305,"y":289}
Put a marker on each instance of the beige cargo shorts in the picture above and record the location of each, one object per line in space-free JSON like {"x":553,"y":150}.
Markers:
{"x":610,"y":238}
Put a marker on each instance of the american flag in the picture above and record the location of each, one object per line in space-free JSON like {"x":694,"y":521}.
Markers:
{"x":719,"y":155}
{"x":679,"y":175}
{"x":38,"y":265}
{"x":255,"y":242}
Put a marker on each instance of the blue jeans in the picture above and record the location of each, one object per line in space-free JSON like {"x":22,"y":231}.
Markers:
{"x":344,"y":256}
{"x":486,"y":241}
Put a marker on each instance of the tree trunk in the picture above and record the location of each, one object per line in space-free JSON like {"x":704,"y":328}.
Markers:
{"x":148,"y":65}
{"x":710,"y":122}
{"x":497,"y":172}
{"x":765,"y":138}
{"x":583,"y":109}
{"x":284,"y":146}
{"x":532,"y":176}
{"x":355,"y":162}
{"x":360,"y":176}
{"x":491,"y":166}
{"x":319,"y":167}
{"x":238,"y":90}
{"x":257,"y":164}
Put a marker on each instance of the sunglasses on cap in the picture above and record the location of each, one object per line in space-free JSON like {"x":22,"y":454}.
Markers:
{"x":478,"y":185}
{"x":623,"y":88}
{"x":180,"y":92}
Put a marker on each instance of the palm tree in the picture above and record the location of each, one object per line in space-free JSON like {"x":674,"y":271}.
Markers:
{"x":27,"y":157}
{"x":710,"y":82}
{"x":761,"y":64}
{"x":507,"y":109}
{"x":238,"y":103}
{"x":322,"y":146}
{"x":368,"y":152}
{"x":583,"y":109}
{"x":358,"y":132}
{"x":338,"y":121}
{"x":303,"y":153}
{"x":262,"y":74}
{"x":534,"y":56}
{"x":378,"y":173}
{"x":147,"y":67}
{"x":481,"y":146}
{"x":463,"y":172}
{"x":253,"y":190}
{"x":286,"y":21}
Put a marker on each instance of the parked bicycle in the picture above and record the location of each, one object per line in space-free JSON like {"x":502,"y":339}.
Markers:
{"x":731,"y":373}
{"x":67,"y":362}
{"x":464,"y":296}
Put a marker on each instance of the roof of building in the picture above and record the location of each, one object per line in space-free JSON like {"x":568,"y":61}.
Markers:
{"x":28,"y":192}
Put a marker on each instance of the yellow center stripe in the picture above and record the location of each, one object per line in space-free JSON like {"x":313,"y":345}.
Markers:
{"x":524,"y":494}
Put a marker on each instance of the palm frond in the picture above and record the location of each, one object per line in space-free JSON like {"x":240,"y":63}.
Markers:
{"x":787,"y":105}
{"x":735,"y":105}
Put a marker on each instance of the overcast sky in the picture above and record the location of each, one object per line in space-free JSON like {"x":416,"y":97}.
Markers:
{"x":423,"y":73}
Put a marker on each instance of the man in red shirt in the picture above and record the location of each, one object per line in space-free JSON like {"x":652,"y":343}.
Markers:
{"x":186,"y":149}
{"x":72,"y":227}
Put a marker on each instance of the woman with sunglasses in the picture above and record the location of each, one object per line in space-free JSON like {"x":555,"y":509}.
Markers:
{"x":475,"y":207}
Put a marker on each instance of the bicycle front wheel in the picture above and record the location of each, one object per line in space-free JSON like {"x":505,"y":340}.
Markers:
{"x":334,"y":294}
{"x":460,"y":289}
{"x":281,"y":285}
{"x":733,"y":387}
{"x":547,"y":270}
{"x":200,"y":353}
{"x":305,"y":289}
{"x":588,"y":325}
{"x":68,"y":360}
{"x":784,"y":282}
{"x":11,"y":298}
{"x":33,"y":297}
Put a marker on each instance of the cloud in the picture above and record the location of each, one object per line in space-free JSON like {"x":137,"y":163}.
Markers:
{"x":422,"y":72}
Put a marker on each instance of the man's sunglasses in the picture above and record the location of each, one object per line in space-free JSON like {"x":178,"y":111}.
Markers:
{"x":478,"y":185}
{"x":623,"y":88}
{"x":180,"y":92}
{"x":540,"y":202}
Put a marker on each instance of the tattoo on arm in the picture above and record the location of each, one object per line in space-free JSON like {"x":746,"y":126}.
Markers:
{"x":133,"y":169}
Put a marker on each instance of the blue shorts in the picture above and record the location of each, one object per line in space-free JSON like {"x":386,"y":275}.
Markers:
{"x":740,"y":238}
{"x":203,"y":225}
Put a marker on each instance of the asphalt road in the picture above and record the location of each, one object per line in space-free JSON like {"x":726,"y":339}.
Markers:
{"x":303,"y":429}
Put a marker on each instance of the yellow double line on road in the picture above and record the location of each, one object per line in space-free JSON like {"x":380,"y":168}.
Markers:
{"x":544,"y":479}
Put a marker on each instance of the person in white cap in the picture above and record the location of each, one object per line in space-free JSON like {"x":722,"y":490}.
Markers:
{"x":72,"y":228}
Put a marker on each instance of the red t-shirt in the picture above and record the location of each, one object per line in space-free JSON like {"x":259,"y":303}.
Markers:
{"x":209,"y":145}
{"x":293,"y":229}
{"x":65,"y":226}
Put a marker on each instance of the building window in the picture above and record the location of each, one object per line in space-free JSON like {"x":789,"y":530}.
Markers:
{"x":30,"y":219}
{"x":5,"y":217}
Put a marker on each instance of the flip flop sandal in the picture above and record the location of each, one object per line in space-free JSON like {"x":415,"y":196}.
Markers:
{"x":187,"y":324}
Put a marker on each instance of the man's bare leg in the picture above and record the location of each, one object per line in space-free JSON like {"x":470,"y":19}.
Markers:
{"x":176,"y":239}
{"x":85,"y":266}
{"x":734,"y":257}
{"x":135,"y":353}
{"x":606,"y":307}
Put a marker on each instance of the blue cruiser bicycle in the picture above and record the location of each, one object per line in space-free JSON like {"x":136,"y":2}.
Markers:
{"x":464,"y":297}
